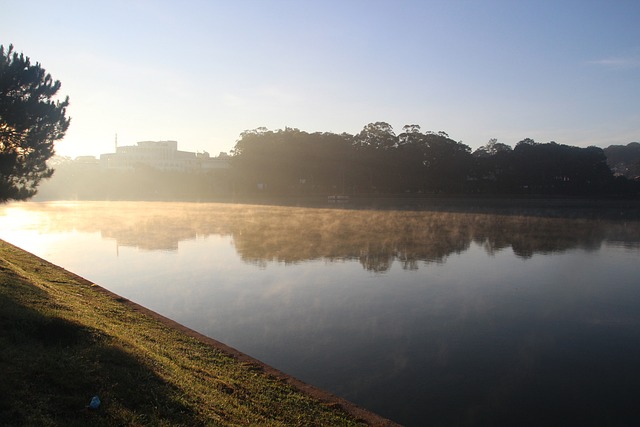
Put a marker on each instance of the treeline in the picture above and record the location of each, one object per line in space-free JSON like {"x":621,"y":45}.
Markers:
{"x":377,"y":161}
{"x":624,"y":159}
{"x":374,"y":162}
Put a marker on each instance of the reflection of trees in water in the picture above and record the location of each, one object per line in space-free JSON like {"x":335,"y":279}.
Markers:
{"x":530,"y":235}
{"x":144,"y":225}
{"x":376,"y":238}
{"x":290,"y":235}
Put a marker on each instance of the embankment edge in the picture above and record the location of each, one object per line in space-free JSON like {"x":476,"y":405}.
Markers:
{"x":323,"y":396}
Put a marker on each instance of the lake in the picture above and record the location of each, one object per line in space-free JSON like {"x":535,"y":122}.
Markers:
{"x":427,"y":318}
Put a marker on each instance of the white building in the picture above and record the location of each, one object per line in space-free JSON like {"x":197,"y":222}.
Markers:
{"x":161,"y":155}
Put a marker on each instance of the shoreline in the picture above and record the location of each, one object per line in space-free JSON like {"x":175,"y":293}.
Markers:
{"x":325,"y":398}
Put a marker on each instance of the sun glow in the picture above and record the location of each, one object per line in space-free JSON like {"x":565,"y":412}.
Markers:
{"x":22,"y":227}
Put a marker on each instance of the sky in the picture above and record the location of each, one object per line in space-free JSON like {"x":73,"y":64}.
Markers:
{"x":202,"y":72}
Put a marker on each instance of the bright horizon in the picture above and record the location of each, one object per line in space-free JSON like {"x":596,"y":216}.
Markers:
{"x":202,"y":72}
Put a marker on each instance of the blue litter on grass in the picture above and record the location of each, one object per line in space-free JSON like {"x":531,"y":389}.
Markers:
{"x":95,"y":402}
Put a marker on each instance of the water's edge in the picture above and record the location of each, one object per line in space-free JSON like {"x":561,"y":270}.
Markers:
{"x":323,"y":396}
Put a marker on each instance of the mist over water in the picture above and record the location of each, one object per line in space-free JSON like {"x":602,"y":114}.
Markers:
{"x":428,"y":318}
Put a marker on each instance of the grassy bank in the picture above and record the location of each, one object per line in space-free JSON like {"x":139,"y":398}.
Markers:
{"x":64,"y":340}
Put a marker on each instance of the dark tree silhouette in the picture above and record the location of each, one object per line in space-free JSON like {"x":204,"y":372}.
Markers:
{"x":376,"y":161}
{"x":537,"y":168}
{"x":624,"y":159}
{"x":374,"y":158}
{"x":378,"y":135}
{"x":30,"y":122}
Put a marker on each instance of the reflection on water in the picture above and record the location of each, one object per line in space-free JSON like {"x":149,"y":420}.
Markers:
{"x":476,"y":319}
{"x":376,"y":238}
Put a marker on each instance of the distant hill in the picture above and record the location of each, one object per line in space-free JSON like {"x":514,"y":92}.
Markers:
{"x":624,"y":159}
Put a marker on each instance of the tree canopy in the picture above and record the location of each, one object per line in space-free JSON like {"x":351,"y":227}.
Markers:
{"x":376,"y":160}
{"x":31,"y":120}
{"x":624,"y":160}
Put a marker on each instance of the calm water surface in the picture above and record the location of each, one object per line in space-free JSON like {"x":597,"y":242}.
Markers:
{"x":425,"y":318}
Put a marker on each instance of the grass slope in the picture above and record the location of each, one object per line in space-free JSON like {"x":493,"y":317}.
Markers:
{"x":64,"y":340}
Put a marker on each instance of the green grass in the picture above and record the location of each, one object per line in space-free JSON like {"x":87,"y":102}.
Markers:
{"x":64,"y":340}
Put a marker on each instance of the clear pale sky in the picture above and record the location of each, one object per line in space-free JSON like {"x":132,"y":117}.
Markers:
{"x":201,"y":72}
